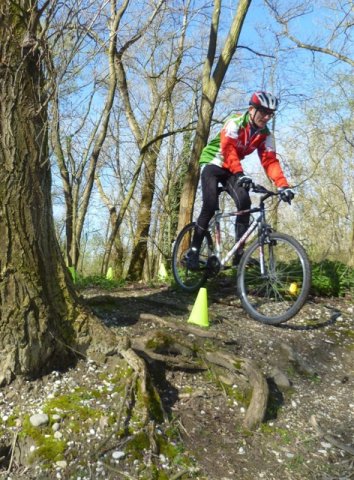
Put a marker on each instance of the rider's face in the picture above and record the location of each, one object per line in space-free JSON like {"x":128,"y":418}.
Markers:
{"x":260,"y":116}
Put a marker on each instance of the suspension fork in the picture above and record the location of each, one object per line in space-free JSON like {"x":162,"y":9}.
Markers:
{"x":264,"y":230}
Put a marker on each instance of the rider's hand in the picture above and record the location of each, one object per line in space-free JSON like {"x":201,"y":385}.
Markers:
{"x":286,"y":194}
{"x":244,"y":181}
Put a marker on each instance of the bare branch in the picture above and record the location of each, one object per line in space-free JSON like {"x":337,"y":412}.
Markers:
{"x":327,"y":51}
{"x":255,"y":52}
{"x":284,"y":20}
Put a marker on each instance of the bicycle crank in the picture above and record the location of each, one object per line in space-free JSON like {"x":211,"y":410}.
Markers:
{"x":213,"y":265}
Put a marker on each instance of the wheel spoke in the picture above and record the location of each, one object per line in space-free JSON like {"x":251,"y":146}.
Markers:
{"x":190,"y":280}
{"x":280,"y":293}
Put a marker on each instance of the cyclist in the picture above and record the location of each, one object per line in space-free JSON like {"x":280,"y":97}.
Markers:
{"x":221,"y":163}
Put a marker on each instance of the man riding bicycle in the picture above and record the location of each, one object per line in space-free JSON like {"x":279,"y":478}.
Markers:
{"x":221,"y":163}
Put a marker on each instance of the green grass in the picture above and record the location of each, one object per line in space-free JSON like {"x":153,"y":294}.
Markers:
{"x":98,"y":281}
{"x":332,"y":279}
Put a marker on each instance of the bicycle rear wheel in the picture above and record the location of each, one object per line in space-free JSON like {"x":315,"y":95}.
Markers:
{"x":187,"y":279}
{"x":279,"y":294}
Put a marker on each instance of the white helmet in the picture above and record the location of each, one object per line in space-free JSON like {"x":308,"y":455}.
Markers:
{"x":264,"y":100}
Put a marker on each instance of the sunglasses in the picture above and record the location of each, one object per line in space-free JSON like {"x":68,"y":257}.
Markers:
{"x":264,"y":111}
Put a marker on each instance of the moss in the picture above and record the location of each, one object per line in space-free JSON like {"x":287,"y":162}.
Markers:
{"x":238,"y":364}
{"x":28,"y":430}
{"x":11,"y":421}
{"x":73,"y":403}
{"x":160,"y":342}
{"x":348,"y":333}
{"x":48,"y":448}
{"x":267,"y":429}
{"x":187,"y":389}
{"x":135,"y":446}
{"x":150,"y":401}
{"x":241,"y":396}
{"x":339,"y":336}
{"x":281,"y":435}
{"x":120,"y":374}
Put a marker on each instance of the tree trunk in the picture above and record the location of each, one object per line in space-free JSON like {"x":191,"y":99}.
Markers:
{"x":144,"y":219}
{"x":39,"y":312}
{"x":78,"y":177}
{"x":211,"y":84}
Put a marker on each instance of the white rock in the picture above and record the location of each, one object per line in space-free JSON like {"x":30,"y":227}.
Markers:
{"x":326,"y":445}
{"x":280,"y":379}
{"x":39,"y":419}
{"x":55,"y":427}
{"x":117,"y":455}
{"x":61,"y":463}
{"x":58,"y":435}
{"x":241,"y":451}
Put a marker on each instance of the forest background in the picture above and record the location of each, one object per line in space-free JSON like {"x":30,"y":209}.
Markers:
{"x":122,"y":125}
{"x":104,"y":110}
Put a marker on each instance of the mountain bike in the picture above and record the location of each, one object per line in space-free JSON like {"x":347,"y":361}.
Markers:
{"x":274,"y":273}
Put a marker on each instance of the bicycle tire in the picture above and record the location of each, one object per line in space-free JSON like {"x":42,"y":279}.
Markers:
{"x":279,"y":295}
{"x":187,"y":279}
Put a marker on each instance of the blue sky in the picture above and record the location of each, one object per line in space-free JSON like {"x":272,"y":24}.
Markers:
{"x":297,"y":74}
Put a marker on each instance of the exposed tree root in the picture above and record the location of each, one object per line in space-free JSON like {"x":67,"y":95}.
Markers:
{"x":257,"y":407}
{"x":330,"y":438}
{"x":176,"y":352}
{"x":197,"y":331}
{"x":297,"y":360}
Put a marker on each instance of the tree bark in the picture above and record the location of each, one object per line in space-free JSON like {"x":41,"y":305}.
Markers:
{"x":41,"y":320}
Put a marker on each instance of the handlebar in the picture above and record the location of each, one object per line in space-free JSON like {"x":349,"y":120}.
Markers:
{"x":256,"y":188}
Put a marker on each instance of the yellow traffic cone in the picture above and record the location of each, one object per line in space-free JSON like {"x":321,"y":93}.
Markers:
{"x":162,"y":272}
{"x":293,"y":289}
{"x":199,"y":313}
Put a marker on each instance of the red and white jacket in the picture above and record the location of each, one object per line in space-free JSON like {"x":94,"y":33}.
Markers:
{"x":235,"y":141}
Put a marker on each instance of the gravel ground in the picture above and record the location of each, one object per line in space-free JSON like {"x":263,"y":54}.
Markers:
{"x":309,"y":365}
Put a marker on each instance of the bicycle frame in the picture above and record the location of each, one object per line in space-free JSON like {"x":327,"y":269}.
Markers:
{"x":258,"y":224}
{"x":273,"y":274}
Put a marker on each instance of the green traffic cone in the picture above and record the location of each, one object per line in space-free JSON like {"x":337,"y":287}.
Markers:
{"x":162,"y":272}
{"x":109,"y":275}
{"x":199,"y":313}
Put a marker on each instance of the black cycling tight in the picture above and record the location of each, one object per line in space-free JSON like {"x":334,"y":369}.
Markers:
{"x":211,"y":176}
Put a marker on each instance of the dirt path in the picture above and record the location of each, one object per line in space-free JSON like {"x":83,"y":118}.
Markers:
{"x":314,"y":353}
{"x":308,"y":432}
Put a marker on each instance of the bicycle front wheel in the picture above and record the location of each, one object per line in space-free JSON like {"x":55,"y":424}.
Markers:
{"x":279,"y":293}
{"x":190,"y":280}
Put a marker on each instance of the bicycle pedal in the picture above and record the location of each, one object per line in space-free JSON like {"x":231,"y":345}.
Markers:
{"x":213,"y":265}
